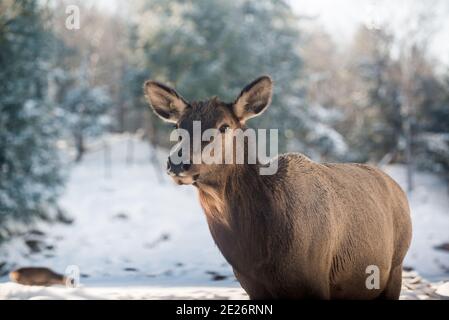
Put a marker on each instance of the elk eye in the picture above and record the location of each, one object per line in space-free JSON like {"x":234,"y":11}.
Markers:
{"x":224,"y":128}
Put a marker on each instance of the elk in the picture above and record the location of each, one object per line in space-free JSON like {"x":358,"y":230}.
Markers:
{"x":309,"y":231}
{"x":37,"y":276}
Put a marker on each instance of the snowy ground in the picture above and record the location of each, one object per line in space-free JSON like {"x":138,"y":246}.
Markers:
{"x":135,"y":236}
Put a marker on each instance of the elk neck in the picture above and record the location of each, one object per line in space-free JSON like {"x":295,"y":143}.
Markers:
{"x":228,"y":185}
{"x":241,"y":207}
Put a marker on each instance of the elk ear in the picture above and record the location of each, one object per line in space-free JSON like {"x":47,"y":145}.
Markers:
{"x":254,"y":99}
{"x":164,"y":101}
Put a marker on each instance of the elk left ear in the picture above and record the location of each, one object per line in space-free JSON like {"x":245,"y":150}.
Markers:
{"x":165,"y":101}
{"x":254,"y":99}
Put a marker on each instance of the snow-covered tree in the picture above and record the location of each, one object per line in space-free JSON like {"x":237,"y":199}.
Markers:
{"x":29,"y":165}
{"x":83,"y":108}
{"x":206,"y":48}
{"x":85,"y":73}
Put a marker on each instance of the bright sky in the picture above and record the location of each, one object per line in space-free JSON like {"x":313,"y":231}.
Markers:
{"x":341,"y":17}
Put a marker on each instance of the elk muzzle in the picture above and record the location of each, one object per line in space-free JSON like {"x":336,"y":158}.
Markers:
{"x":177,"y":169}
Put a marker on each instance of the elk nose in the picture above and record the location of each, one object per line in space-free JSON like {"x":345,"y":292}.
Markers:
{"x":177,"y":168}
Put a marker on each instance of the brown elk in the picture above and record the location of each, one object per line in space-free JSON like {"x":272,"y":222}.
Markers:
{"x":37,"y":276}
{"x":310,"y":230}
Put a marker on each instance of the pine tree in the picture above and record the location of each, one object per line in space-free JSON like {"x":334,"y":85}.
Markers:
{"x":29,"y":164}
{"x":82,"y":108}
{"x":85,"y":74}
{"x":206,"y":48}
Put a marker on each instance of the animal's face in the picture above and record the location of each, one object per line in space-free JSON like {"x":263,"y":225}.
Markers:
{"x":206,"y":127}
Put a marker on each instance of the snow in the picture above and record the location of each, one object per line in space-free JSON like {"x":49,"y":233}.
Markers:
{"x":128,"y":227}
{"x":443,"y":290}
{"x":17,"y":291}
{"x":137,"y":235}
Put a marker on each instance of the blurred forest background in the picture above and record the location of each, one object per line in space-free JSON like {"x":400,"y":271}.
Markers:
{"x":382,"y":97}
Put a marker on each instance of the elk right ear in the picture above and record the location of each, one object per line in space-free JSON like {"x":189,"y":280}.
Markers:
{"x":164,"y":101}
{"x":254,"y":99}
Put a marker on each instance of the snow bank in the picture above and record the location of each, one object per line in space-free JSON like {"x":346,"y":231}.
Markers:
{"x":16,"y":291}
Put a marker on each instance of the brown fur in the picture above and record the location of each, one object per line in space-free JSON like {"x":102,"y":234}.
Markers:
{"x":311,"y":230}
{"x":37,"y":276}
{"x":308,"y":231}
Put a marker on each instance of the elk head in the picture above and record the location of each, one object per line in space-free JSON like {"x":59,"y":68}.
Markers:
{"x":223,"y":117}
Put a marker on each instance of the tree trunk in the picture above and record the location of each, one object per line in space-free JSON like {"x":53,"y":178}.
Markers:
{"x":408,"y":153}
{"x":79,"y":145}
{"x":150,"y":133}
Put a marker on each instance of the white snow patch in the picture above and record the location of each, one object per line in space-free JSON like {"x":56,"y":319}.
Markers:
{"x":16,"y":291}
